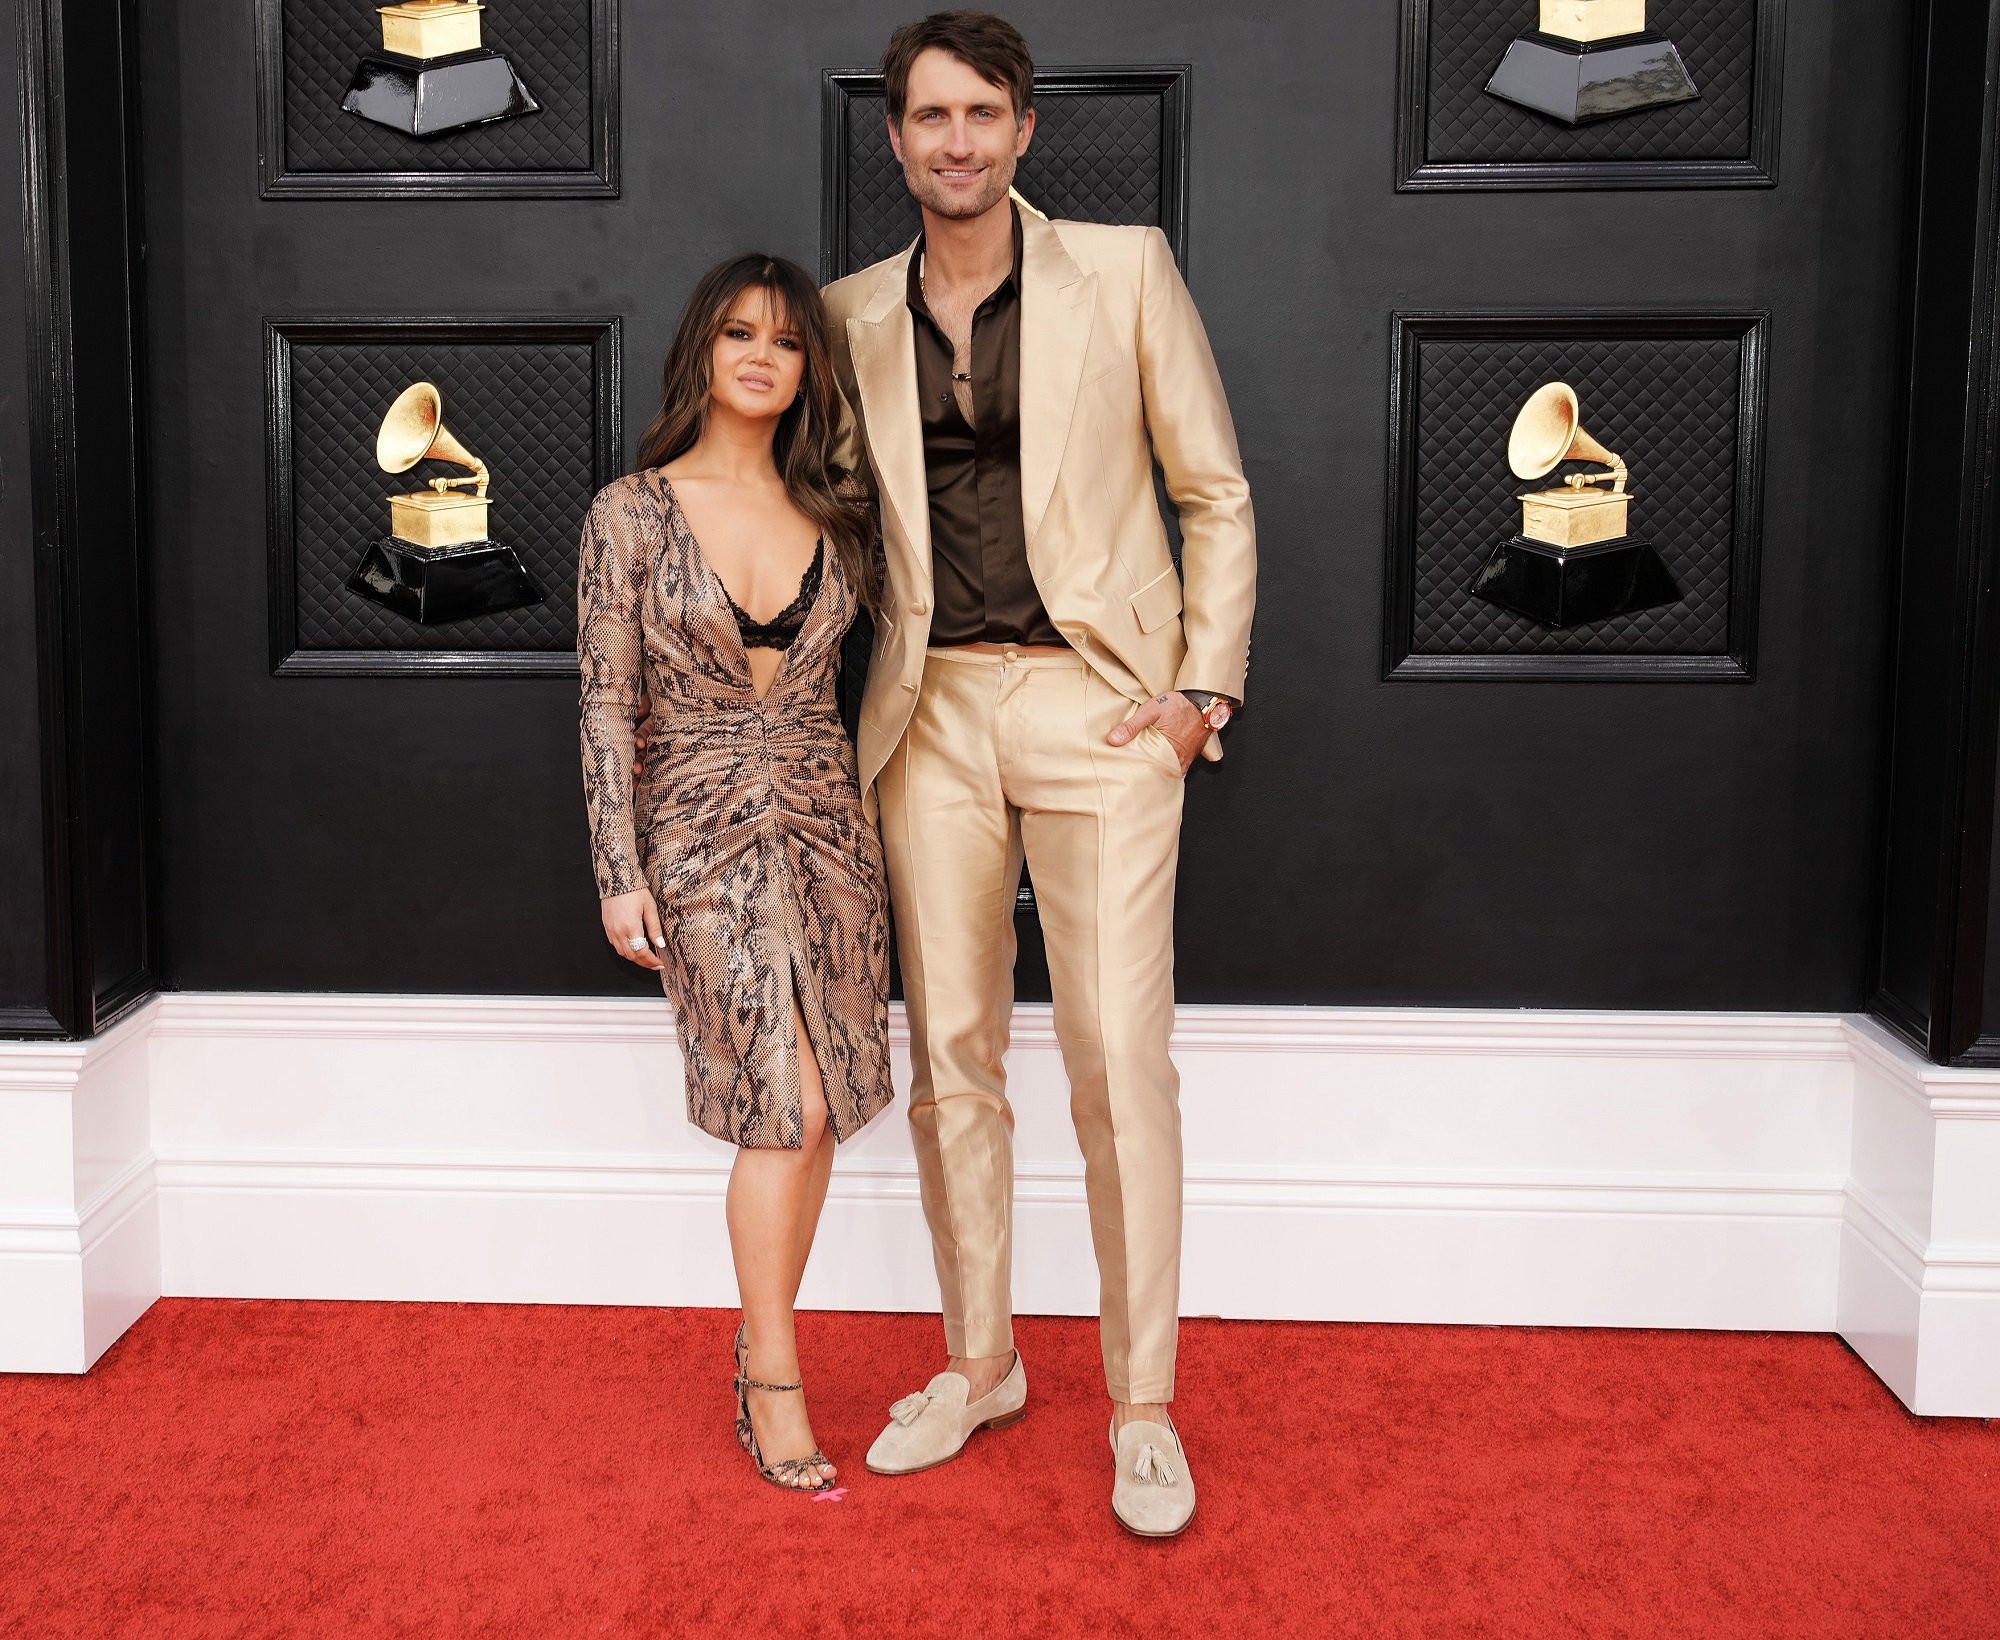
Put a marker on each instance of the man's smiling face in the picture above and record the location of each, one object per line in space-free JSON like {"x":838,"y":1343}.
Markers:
{"x":959,"y":140}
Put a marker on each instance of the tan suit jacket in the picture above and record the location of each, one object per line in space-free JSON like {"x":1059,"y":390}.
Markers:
{"x":1115,"y":371}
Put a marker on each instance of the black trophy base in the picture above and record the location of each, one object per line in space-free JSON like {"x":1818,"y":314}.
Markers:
{"x":1559,"y":589}
{"x":433,"y":585}
{"x":426,"y":97}
{"x":1577,"y":81}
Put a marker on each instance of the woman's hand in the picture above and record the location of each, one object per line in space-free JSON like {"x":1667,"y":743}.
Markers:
{"x":630,"y":918}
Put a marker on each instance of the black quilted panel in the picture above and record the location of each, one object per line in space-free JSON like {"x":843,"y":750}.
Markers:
{"x":1668,"y":406}
{"x":528,"y":410}
{"x":549,"y":42}
{"x":1098,"y":156}
{"x":1717,"y":40}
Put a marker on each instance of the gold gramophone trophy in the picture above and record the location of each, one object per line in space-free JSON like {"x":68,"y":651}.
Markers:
{"x":433,"y":75}
{"x":437,"y":562}
{"x":1590,"y":60}
{"x":1573,"y":559}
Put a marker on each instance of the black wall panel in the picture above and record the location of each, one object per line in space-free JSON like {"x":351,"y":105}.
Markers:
{"x":535,"y":399}
{"x":1577,"y":843}
{"x":564,"y":52}
{"x":1458,"y":134}
{"x":1933,"y":966}
{"x":23,"y":955}
{"x":88,"y":757}
{"x":1986,"y":1046}
{"x":1110,"y":146}
{"x":112,"y":851}
{"x":1680,"y":398}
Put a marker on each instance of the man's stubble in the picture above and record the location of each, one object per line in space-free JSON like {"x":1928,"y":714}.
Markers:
{"x":933,"y":197}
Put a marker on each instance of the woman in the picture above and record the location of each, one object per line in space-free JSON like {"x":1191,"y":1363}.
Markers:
{"x":714,"y":587}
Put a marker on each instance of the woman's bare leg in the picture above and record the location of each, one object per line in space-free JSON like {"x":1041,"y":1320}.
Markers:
{"x":822,"y":1169}
{"x":773,"y":1207}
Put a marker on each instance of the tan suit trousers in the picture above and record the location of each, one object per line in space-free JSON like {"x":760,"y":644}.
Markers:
{"x":1006,"y":755}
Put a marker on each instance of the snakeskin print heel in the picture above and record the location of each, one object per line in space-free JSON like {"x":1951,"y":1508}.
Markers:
{"x":786,"y":1472}
{"x":742,"y":1394}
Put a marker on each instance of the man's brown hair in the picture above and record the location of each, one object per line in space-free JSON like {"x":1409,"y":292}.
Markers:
{"x":990,"y":46}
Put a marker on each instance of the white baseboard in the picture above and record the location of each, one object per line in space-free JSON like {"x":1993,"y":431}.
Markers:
{"x":1668,"y":1170}
{"x":1639,"y":1251}
{"x":1679,"y":1170}
{"x":79,"y":1226}
{"x":1920,"y":1268}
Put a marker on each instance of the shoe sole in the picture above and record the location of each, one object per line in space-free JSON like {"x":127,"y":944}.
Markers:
{"x":1137,"y":1532}
{"x":1000,"y":1422}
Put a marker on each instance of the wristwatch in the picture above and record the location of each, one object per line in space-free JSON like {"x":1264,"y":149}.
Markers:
{"x":1216,"y":710}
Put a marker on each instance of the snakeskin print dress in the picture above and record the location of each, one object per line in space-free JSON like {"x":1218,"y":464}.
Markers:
{"x":746,"y":824}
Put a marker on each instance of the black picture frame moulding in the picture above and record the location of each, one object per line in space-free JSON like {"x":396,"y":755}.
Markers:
{"x":83,"y":224}
{"x":1932,"y":976}
{"x":288,"y":658}
{"x":279,"y":179}
{"x":1409,"y":332}
{"x":1169,"y":82}
{"x":1416,"y":171}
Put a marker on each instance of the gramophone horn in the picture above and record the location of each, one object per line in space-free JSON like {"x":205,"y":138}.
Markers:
{"x":414,"y":429}
{"x":1546,"y":434}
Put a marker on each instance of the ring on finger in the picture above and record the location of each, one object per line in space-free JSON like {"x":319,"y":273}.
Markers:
{"x":636,"y":943}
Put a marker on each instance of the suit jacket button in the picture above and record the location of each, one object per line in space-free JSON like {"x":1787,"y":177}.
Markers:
{"x":920,"y":608}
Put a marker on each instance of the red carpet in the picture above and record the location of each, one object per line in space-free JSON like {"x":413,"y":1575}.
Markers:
{"x":266,"y":1469}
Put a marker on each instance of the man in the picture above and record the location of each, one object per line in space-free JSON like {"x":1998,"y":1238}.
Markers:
{"x":1041,"y":682}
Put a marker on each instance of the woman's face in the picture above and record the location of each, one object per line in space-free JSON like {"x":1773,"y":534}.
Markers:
{"x":758,"y":361}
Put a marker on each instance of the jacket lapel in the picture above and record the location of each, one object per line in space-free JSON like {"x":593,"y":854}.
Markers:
{"x":880,"y":342}
{"x":1057,"y":303}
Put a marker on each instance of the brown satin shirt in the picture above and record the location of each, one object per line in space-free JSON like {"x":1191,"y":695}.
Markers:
{"x":982,"y":587}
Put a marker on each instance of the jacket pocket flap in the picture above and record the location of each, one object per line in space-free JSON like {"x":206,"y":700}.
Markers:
{"x":1158,"y":601}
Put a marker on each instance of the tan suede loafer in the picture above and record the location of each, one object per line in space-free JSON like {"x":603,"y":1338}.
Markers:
{"x":1153,"y":1493}
{"x":932,"y":1426}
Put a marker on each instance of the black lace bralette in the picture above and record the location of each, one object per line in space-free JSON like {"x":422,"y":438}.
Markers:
{"x":780,"y":631}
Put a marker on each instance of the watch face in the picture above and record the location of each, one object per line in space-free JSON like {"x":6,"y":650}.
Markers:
{"x":1218,"y":713}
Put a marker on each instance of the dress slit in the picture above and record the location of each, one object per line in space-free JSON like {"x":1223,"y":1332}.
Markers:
{"x":804,"y":992}
{"x":814,"y":1016}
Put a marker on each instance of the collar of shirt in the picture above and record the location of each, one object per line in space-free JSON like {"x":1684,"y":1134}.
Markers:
{"x":1012,"y":282}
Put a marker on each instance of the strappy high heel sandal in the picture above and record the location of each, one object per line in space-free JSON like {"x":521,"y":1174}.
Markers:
{"x":742,"y":1394}
{"x":786,"y":1472}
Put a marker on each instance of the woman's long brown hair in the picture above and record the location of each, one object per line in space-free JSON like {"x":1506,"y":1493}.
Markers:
{"x":803,"y":444}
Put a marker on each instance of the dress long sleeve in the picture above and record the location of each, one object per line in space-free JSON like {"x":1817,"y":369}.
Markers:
{"x":611,"y":576}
